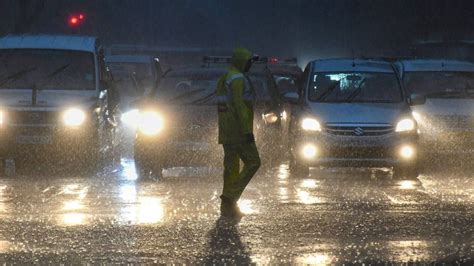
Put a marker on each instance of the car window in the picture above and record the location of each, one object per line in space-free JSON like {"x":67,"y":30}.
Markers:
{"x":441,"y":84}
{"x":261,"y":86}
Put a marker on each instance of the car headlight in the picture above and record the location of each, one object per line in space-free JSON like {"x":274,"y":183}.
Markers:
{"x":270,"y":118}
{"x":74,"y":117}
{"x":151,"y":123}
{"x":406,"y":124}
{"x":131,"y":118}
{"x":310,"y":124}
{"x":2,"y":118}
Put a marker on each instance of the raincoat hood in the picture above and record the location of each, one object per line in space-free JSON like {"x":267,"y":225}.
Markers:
{"x":240,"y":58}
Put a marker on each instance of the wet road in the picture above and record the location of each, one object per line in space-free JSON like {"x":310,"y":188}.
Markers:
{"x":332,"y":216}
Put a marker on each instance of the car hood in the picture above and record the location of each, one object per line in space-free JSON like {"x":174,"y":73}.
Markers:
{"x":380,"y":113}
{"x":204,"y":116}
{"x":46,"y":98}
{"x":437,"y":107}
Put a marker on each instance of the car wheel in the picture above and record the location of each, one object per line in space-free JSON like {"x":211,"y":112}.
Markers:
{"x":146,"y":167}
{"x":406,"y":172}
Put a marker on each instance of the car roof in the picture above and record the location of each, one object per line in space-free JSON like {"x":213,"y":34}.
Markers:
{"x":352,"y":65}
{"x":128,"y":59}
{"x":435,"y":65}
{"x":42,"y":41}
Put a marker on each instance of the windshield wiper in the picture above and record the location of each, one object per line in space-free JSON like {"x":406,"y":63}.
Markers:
{"x":53,"y":74}
{"x":356,"y":92}
{"x":17,"y":75}
{"x":327,"y":91}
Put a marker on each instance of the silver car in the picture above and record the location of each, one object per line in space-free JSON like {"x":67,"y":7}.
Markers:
{"x":354,"y":113}
{"x":446,"y":120}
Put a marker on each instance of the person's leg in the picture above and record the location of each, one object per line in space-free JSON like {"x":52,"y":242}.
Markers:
{"x":231,"y":175}
{"x":251,"y":159}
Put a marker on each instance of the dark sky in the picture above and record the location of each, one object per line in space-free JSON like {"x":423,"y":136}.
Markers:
{"x":307,"y":28}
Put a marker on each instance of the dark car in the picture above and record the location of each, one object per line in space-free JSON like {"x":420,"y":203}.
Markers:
{"x":178,"y":123}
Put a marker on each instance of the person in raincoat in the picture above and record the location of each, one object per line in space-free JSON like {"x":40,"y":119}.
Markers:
{"x":235,"y":110}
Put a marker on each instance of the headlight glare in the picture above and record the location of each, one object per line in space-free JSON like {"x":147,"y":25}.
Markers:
{"x":309,"y":151}
{"x":151,"y":123}
{"x":2,"y":118}
{"x":406,"y":124}
{"x":310,"y":124}
{"x":407,"y":152}
{"x":131,"y":118}
{"x":74,"y":117}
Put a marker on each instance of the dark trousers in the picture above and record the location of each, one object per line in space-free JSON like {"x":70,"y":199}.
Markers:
{"x":235,"y":180}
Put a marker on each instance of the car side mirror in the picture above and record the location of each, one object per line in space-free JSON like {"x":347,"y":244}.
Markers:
{"x":291,"y":97}
{"x":417,"y":99}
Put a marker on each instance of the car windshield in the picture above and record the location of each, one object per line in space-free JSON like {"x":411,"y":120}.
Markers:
{"x":188,"y":88}
{"x":46,"y":69}
{"x":362,"y":87}
{"x":286,"y":83}
{"x":132,"y":78}
{"x":261,"y":85}
{"x":440,"y":84}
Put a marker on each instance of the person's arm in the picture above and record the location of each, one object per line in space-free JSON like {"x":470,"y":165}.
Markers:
{"x":237,"y":87}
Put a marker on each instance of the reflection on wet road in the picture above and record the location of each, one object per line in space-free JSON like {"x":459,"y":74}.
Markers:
{"x":331,"y":216}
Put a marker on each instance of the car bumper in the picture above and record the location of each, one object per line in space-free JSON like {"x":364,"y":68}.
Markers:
{"x":367,"y":151}
{"x":169,"y":150}
{"x":24,"y":139}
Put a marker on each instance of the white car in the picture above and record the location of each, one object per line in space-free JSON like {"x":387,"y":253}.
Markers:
{"x":446,"y":120}
{"x":56,"y":98}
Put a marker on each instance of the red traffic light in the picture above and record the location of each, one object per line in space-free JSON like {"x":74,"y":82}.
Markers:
{"x":75,"y":20}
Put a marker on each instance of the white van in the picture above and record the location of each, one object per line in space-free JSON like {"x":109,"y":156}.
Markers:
{"x":55,"y":97}
{"x":446,"y":120}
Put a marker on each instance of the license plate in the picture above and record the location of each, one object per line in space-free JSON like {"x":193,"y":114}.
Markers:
{"x":25,"y":139}
{"x":194,"y":146}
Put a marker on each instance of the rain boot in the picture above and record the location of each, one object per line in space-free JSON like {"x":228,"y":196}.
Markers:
{"x":226,"y":207}
{"x":236,"y":213}
{"x":230,"y":209}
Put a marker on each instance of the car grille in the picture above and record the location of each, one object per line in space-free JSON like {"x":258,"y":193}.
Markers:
{"x":366,"y":152}
{"x":356,"y":130}
{"x":32,"y":118}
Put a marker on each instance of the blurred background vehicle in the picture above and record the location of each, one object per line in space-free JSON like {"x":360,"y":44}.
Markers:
{"x":177,"y":124}
{"x":446,"y":120}
{"x":353,"y":112}
{"x":135,"y":75}
{"x":57,"y":96}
